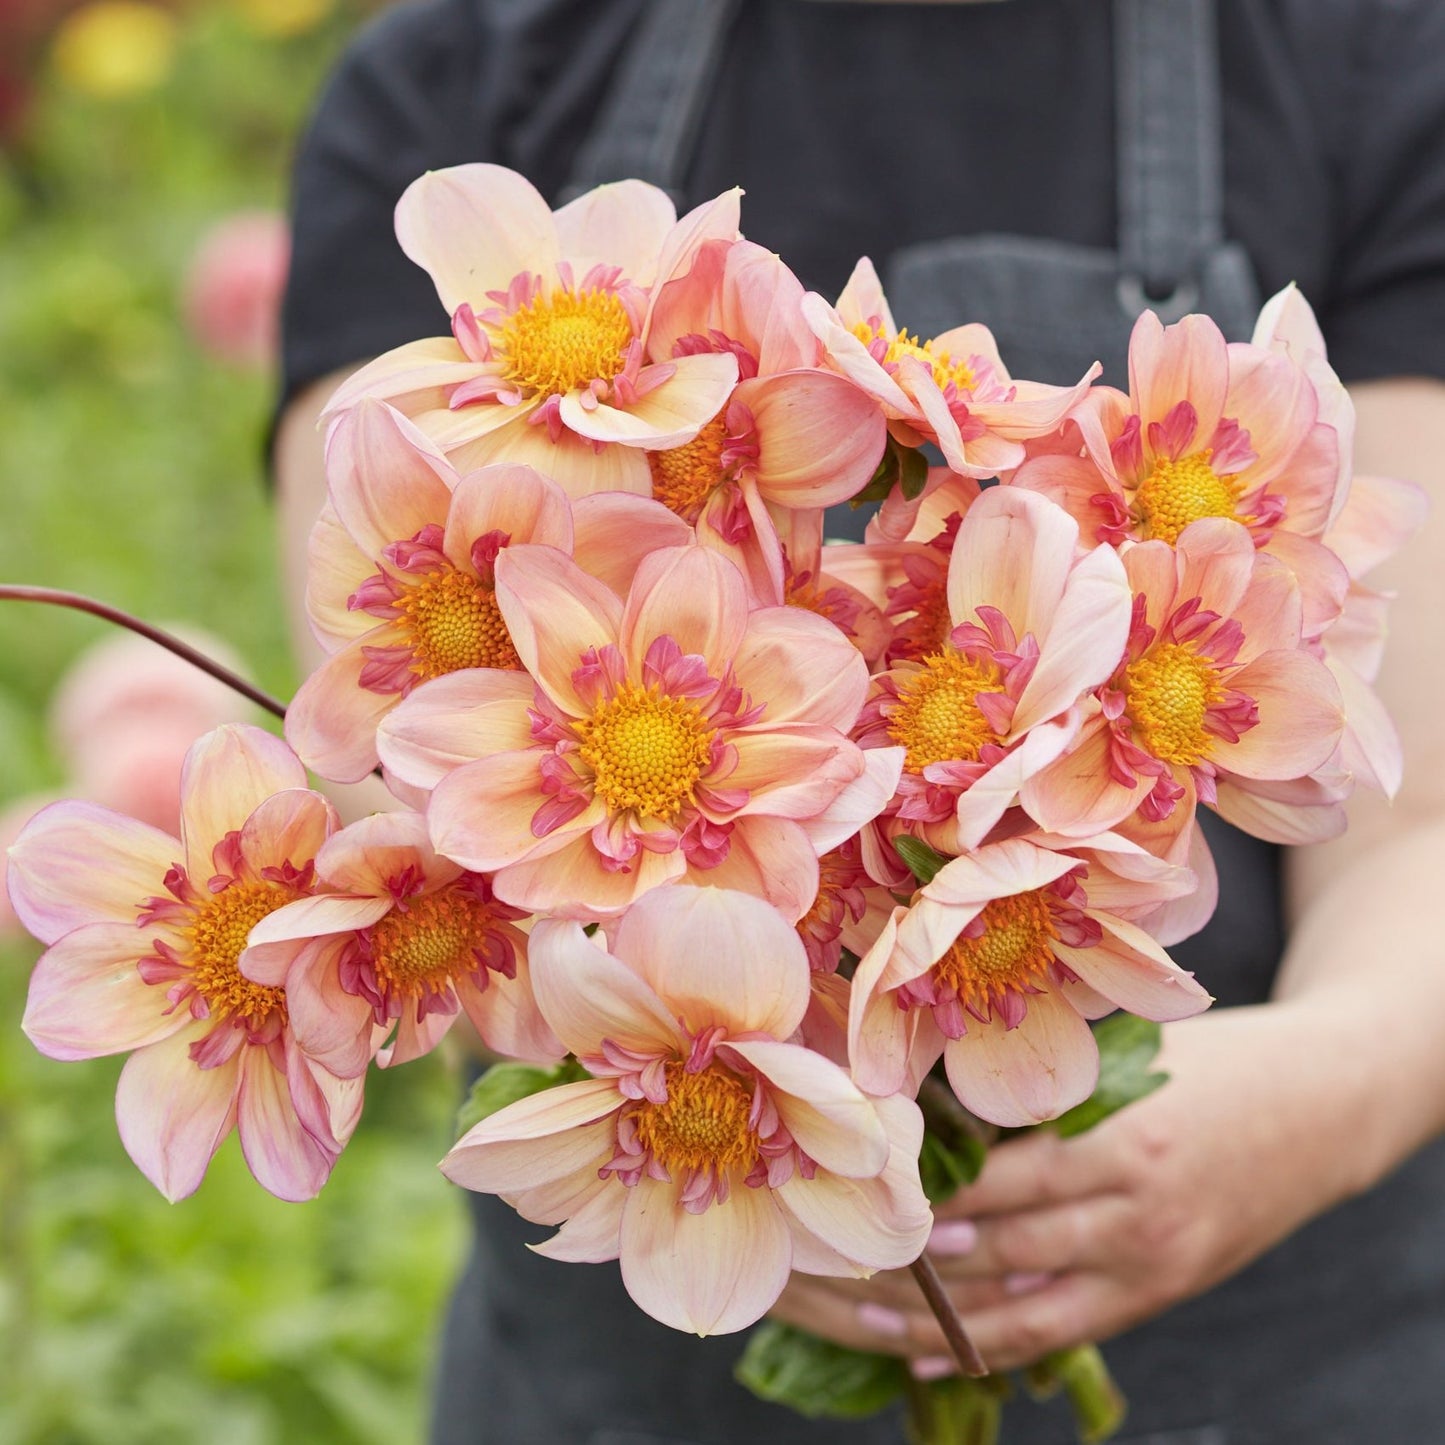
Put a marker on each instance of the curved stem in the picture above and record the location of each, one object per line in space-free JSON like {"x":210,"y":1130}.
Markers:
{"x":55,"y":597}
{"x":964,"y":1350}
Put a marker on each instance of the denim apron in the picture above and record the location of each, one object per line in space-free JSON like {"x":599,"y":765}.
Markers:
{"x":1313,"y":1345}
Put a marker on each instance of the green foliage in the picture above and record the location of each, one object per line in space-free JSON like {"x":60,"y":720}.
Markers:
{"x":903,"y":467}
{"x":946,"y":1164}
{"x":505,"y":1084}
{"x":1127,"y":1046}
{"x":815,"y":1377}
{"x":921,"y":860}
{"x":130,"y":469}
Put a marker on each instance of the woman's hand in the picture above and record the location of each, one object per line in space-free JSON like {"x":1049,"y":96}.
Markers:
{"x":1063,"y":1241}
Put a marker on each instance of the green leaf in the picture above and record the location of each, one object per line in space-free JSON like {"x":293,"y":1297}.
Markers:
{"x":1127,"y":1046}
{"x":884,"y":478}
{"x":504,"y":1084}
{"x":815,"y":1377}
{"x":922,"y":861}
{"x":945,"y":1166}
{"x":912,"y":472}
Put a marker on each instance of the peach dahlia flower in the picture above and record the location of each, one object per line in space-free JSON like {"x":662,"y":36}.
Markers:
{"x":706,"y":1152}
{"x":547,"y":361}
{"x":145,"y":934}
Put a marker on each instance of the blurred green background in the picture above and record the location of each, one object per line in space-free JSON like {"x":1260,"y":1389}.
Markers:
{"x":130,"y":469}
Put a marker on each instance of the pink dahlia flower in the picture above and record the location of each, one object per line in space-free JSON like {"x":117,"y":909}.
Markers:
{"x":1214,"y":698}
{"x":400,"y":940}
{"x":145,"y":934}
{"x":400,"y":585}
{"x":1034,"y":628}
{"x":683,"y":732}
{"x":953,"y":390}
{"x":706,"y":1152}
{"x":547,"y":363}
{"x":1000,"y":962}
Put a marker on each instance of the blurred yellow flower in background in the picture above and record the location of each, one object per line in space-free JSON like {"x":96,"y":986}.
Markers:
{"x":113,"y":49}
{"x":284,"y":17}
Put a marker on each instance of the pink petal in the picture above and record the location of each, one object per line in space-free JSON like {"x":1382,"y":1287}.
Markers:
{"x":332,"y":720}
{"x":711,"y":1273}
{"x":335,"y":1028}
{"x":472,"y":228}
{"x":770,"y":858}
{"x":802,"y":667}
{"x":1291,"y":820}
{"x":288,"y":827}
{"x":858,"y":803}
{"x":456,"y":719}
{"x":335,"y":568}
{"x":172,"y":1114}
{"x":622,"y":224}
{"x":669,"y":415}
{"x":506,"y":1016}
{"x":1075,"y":795}
{"x":878,"y":1030}
{"x":850,"y":357}
{"x":588,"y":995}
{"x":481,"y":814}
{"x":75,"y":863}
{"x":997,"y":790}
{"x":365,"y":856}
{"x":793,"y":772}
{"x":615,"y":531}
{"x":556,"y":614}
{"x":285,"y":1159}
{"x":718,"y":957}
{"x":418,"y":376}
{"x":1370,"y":748}
{"x":87,"y":997}
{"x":691,"y":595}
{"x":1016,"y":1077}
{"x":571,"y":882}
{"x":1188,"y":361}
{"x":512,"y":499}
{"x":1300,"y":717}
{"x":227,"y":775}
{"x":593,"y":1231}
{"x":1129,"y":968}
{"x":714,"y":220}
{"x":577,"y":465}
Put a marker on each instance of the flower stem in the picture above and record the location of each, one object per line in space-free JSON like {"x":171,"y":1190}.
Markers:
{"x":1098,"y":1403}
{"x":57,"y":598}
{"x":968,"y":1357}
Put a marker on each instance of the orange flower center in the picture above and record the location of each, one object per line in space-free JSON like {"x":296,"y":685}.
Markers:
{"x":703,"y":1125}
{"x":945,"y":369}
{"x":938,"y":718}
{"x":684,"y":477}
{"x":454,"y":622}
{"x":431,"y":943}
{"x":1014,"y":950}
{"x":1169,"y":690}
{"x":218,"y":937}
{"x":560,"y":342}
{"x":646,"y":751}
{"x":1177,"y":493}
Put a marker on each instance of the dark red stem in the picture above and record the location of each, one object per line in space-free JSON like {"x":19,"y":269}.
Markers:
{"x":964,"y":1351}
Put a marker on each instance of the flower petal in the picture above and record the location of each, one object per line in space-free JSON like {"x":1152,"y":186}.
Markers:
{"x":694,"y":596}
{"x":284,"y":1158}
{"x":669,"y":415}
{"x":1128,"y":967}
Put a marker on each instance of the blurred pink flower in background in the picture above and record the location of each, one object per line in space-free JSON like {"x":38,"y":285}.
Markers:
{"x":231,"y":296}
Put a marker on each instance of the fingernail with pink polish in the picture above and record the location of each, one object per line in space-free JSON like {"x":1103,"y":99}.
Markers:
{"x":953,"y":1236}
{"x":882,"y":1320}
{"x":933,"y":1367}
{"x":1026,"y":1282}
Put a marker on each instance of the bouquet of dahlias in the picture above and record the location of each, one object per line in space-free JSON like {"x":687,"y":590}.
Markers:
{"x":781,"y":876}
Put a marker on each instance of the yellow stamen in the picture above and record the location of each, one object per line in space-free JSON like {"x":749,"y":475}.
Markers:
{"x":683,"y":477}
{"x":945,"y":369}
{"x":454,"y":622}
{"x":431,"y":943}
{"x":646,"y":751}
{"x":217,"y":938}
{"x":1169,"y":691}
{"x":1013,"y":952}
{"x":1179,"y":492}
{"x":937,"y":718}
{"x":560,"y":342}
{"x":703,"y":1124}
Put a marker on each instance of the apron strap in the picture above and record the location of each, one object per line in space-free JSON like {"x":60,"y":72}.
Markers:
{"x":1169,"y":150}
{"x":647,"y":125}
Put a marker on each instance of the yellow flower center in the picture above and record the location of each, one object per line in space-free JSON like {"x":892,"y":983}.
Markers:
{"x":703,"y":1124}
{"x":646,"y":751}
{"x":431,"y":943}
{"x":945,"y":369}
{"x":1177,"y":493}
{"x":684,"y":477}
{"x":1169,"y":690}
{"x":1013,"y":952}
{"x":560,"y":342}
{"x":938,"y":718}
{"x":217,"y":938}
{"x":454,"y":622}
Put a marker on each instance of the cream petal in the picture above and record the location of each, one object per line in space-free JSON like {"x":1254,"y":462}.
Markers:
{"x":335,"y":568}
{"x":770,"y":858}
{"x":624,"y":223}
{"x":288,"y":827}
{"x":512,"y":499}
{"x":718,"y":957}
{"x":481,"y":813}
{"x":572,"y":883}
{"x":616,"y":531}
{"x":693,"y":596}
{"x":75,"y":863}
{"x":995,"y":870}
{"x":227,"y":775}
{"x":315,"y":917}
{"x":1021,"y":1076}
{"x":172,"y":1114}
{"x":578,"y":466}
{"x":87,"y":997}
{"x":793,"y":772}
{"x":418,"y":376}
{"x":1301,"y":717}
{"x":1128,"y":967}
{"x":472,"y":228}
{"x":593,"y":1231}
{"x":454,"y":720}
{"x":669,"y":415}
{"x":819,"y":437}
{"x":858,"y":803}
{"x":332,"y":720}
{"x":588,"y":995}
{"x":556,"y":614}
{"x":386,"y":479}
{"x":802,"y":668}
{"x":711,"y":1273}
